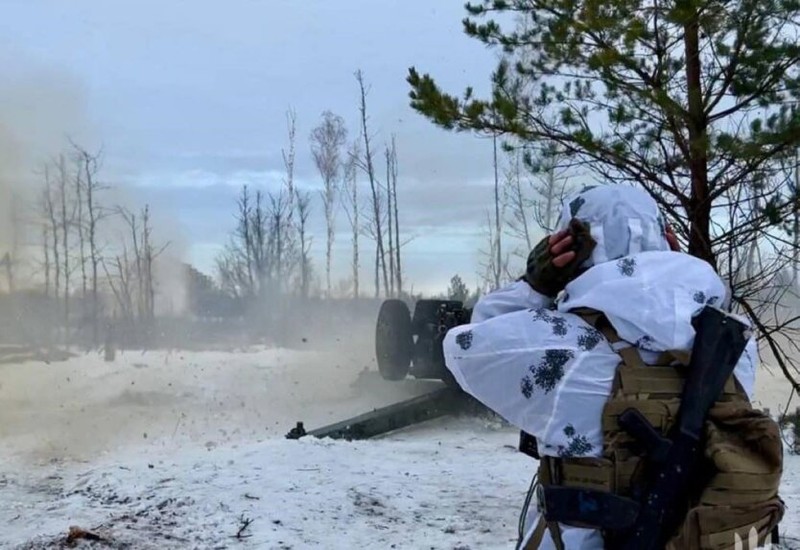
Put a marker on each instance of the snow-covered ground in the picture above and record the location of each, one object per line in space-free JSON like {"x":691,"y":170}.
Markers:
{"x":441,"y":489}
{"x":186,"y":450}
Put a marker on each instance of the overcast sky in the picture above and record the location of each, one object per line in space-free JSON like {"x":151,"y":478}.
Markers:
{"x":188,"y":98}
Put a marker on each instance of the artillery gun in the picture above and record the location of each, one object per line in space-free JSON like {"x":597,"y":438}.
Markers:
{"x":408,"y":345}
{"x":412,"y":345}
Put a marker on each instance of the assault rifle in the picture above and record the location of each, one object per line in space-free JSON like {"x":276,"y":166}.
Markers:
{"x":646,"y":523}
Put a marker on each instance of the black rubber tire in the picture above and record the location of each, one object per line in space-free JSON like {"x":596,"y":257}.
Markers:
{"x":394,"y":340}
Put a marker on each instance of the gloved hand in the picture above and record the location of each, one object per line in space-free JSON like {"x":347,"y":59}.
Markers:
{"x":555,"y":261}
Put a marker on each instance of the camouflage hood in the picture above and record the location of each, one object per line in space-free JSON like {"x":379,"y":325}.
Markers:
{"x":647,"y":291}
{"x":623,"y":220}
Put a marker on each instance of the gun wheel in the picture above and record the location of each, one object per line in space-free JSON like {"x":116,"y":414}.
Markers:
{"x":394,"y":340}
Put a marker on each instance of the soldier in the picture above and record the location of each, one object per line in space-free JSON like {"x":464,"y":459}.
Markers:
{"x":609,"y":293}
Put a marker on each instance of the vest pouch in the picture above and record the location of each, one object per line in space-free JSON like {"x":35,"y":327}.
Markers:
{"x":739,"y":505}
{"x":734,"y":503}
{"x":728,"y":527}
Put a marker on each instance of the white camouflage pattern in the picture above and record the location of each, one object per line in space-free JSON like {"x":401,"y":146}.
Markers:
{"x":548,"y":372}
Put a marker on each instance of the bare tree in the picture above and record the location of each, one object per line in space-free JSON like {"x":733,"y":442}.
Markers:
{"x":80,"y":226}
{"x":68,"y":216}
{"x":550,"y":186}
{"x":148,"y":257}
{"x":250,"y":264}
{"x":283,"y":209}
{"x":230,"y":275}
{"x":327,"y":141}
{"x":12,"y":257}
{"x":395,"y":287}
{"x":119,"y":280}
{"x":351,"y":208}
{"x":136,"y":285}
{"x":303,"y":201}
{"x":498,"y":245}
{"x":396,"y":217}
{"x":258,"y":244}
{"x":494,"y":267}
{"x":534,"y":189}
{"x":50,"y":213}
{"x":57,"y":209}
{"x":390,"y":212}
{"x":136,"y":294}
{"x":367,"y":164}
{"x":66,"y":221}
{"x":289,"y":158}
{"x":46,"y":255}
{"x":249,"y":249}
{"x":519,"y":203}
{"x":279,"y":212}
{"x":89,"y":165}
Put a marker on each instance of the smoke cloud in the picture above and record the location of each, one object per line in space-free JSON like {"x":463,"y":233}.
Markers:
{"x":40,"y":109}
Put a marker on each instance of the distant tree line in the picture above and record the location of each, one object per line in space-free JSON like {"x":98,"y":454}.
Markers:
{"x":268,"y":257}
{"x":97,"y":260}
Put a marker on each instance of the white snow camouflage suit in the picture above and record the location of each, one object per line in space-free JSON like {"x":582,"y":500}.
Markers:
{"x":548,"y":372}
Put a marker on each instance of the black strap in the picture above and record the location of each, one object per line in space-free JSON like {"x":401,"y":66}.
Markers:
{"x":587,"y":508}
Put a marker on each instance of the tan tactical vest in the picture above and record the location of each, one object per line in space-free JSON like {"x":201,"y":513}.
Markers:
{"x":743,"y":455}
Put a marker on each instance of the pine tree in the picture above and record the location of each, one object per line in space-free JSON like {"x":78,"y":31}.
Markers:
{"x":690,"y":99}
